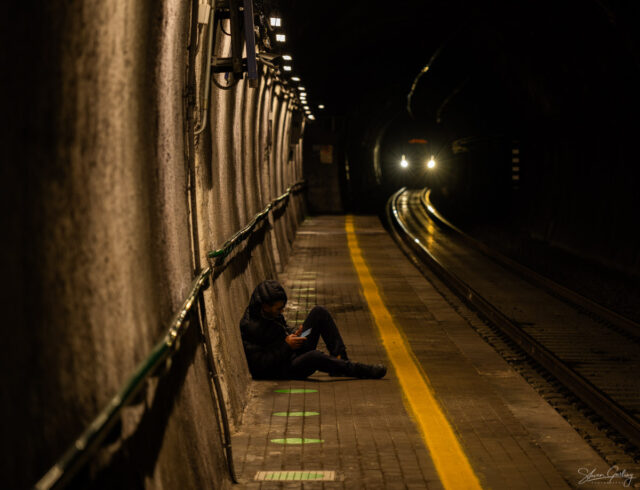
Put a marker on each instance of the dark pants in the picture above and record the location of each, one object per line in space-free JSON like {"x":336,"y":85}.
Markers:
{"x":307,"y":360}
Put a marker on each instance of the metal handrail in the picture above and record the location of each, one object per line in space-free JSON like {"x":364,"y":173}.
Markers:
{"x":73,"y":459}
{"x":244,"y":233}
{"x":78,"y":453}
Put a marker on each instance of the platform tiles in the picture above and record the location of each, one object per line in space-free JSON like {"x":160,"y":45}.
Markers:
{"x":343,"y":433}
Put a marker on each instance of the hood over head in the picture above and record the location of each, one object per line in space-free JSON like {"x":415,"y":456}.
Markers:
{"x":267,"y":292}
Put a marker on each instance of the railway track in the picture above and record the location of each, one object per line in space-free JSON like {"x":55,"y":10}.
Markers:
{"x":592,"y":351}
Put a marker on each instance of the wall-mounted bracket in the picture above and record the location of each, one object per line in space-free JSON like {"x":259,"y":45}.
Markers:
{"x":241,"y":28}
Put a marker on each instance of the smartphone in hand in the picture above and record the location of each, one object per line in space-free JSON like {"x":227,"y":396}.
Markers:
{"x":305,"y":333}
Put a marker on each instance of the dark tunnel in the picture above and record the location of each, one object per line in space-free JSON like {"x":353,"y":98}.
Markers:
{"x":529,"y":107}
{"x":122,"y":181}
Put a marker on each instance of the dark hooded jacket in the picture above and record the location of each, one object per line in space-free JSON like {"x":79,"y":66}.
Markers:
{"x":263,"y":338}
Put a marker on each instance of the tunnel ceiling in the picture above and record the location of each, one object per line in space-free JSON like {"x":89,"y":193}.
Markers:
{"x":540,"y":59}
{"x":351,"y":49}
{"x":559,"y":78}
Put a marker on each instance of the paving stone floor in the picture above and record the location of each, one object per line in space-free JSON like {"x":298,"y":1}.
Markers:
{"x":512,"y":438}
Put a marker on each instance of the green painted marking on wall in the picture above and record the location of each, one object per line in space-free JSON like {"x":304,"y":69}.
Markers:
{"x":296,"y":440}
{"x":295,"y":414}
{"x":296,"y":390}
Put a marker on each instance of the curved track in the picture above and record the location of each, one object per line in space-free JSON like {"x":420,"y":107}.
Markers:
{"x":592,"y":351}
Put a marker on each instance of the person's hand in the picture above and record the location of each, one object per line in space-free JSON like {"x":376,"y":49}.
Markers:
{"x":294,"y":341}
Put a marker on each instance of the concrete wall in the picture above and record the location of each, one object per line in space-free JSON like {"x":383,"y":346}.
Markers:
{"x":110,"y":203}
{"x":579,"y":193}
{"x":240,"y":167}
{"x":324,"y":161}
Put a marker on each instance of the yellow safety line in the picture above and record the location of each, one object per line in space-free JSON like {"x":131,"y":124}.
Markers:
{"x":450,"y":461}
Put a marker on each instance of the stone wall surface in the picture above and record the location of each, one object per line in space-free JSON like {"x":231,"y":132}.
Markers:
{"x":574,"y":202}
{"x":111,"y":202}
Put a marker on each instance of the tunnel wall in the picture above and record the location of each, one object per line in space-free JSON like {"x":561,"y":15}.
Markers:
{"x":324,"y":158}
{"x":253,"y":130}
{"x":579,"y":194}
{"x":575,"y":192}
{"x":111,"y":203}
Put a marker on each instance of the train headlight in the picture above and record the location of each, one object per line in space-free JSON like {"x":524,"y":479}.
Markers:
{"x":403,"y":162}
{"x":431,"y":163}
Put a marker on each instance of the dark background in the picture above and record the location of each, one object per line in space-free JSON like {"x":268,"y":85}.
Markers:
{"x":554,"y":81}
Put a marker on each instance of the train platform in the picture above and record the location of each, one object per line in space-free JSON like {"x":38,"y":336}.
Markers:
{"x":451,"y":413}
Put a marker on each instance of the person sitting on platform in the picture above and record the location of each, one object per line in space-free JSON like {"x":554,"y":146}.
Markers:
{"x":277,"y":351}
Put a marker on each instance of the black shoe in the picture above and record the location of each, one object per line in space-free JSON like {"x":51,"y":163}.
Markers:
{"x":367,"y":371}
{"x":339,"y":374}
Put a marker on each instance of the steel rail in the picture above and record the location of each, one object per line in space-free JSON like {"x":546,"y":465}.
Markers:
{"x":618,"y":321}
{"x":78,"y":453}
{"x":625,"y":423}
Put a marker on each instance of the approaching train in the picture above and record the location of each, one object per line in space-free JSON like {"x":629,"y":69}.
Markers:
{"x":416,"y":162}
{"x":411,"y":163}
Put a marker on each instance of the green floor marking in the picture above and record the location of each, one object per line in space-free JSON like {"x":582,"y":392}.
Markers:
{"x":296,"y":440}
{"x":295,"y":475}
{"x":296,"y":390}
{"x":295,"y":414}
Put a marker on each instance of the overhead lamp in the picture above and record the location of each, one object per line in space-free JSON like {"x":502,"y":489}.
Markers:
{"x":301,"y":88}
{"x":287,"y":57}
{"x":303,"y":94}
{"x":431,"y":163}
{"x":275,"y":21}
{"x":321,"y":106}
{"x":312,"y":117}
{"x":306,"y":107}
{"x":403,"y":162}
{"x":295,"y":79}
{"x":281,"y":38}
{"x":286,"y":67}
